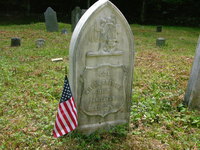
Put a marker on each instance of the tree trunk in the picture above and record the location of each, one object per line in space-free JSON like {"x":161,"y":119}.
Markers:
{"x":142,"y":15}
{"x":28,"y":8}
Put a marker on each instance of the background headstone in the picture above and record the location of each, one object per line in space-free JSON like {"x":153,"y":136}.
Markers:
{"x":192,"y":95}
{"x":83,"y":11}
{"x":51,"y":20}
{"x":160,"y":41}
{"x":64,"y":31}
{"x":40,"y":43}
{"x":15,"y":41}
{"x":75,"y":17}
{"x":159,"y":29}
{"x":101,"y":63}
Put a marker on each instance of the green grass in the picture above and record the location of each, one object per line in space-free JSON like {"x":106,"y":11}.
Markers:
{"x":30,"y":87}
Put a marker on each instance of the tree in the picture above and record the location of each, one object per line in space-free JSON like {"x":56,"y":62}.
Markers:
{"x":142,"y":15}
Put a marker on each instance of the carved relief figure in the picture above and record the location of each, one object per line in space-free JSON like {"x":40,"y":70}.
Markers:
{"x":108,"y":34}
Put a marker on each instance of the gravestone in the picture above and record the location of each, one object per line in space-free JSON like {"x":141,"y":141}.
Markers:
{"x":75,"y":16}
{"x":101,"y":68}
{"x":40,"y":43}
{"x":51,"y":20}
{"x":192,"y":95}
{"x":15,"y":41}
{"x":83,"y":11}
{"x":160,"y":41}
{"x":159,"y":29}
{"x":64,"y":31}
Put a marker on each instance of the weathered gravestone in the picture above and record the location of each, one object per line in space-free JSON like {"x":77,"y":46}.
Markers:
{"x":51,"y":20}
{"x":192,"y":96}
{"x":15,"y":41}
{"x":159,"y":29}
{"x":160,"y":41}
{"x":75,"y":16}
{"x":40,"y":43}
{"x":64,"y":31}
{"x":101,"y":63}
{"x":83,"y":11}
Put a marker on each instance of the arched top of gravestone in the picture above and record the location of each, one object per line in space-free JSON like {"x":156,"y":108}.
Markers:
{"x":89,"y":28}
{"x":101,"y":67}
{"x":78,"y":8}
{"x":51,"y":20}
{"x":49,"y":11}
{"x":97,"y":7}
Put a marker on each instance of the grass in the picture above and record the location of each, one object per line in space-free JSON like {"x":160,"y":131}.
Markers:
{"x":30,"y":87}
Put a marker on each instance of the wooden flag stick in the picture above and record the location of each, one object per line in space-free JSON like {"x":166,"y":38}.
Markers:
{"x":66,"y":72}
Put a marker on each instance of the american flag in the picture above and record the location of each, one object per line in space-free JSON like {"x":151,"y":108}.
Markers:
{"x":66,"y":118}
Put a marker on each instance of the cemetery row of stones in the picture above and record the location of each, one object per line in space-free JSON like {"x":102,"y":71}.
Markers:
{"x":16,"y":41}
{"x":52,"y":26}
{"x":51,"y":18}
{"x":101,"y":67}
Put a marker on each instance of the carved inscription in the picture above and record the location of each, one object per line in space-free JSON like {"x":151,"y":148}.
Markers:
{"x":103,"y":90}
{"x":103,"y":73}
{"x":100,"y":83}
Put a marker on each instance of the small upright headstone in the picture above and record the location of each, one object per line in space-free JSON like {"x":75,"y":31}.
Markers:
{"x":15,"y":41}
{"x":75,"y":16}
{"x":51,"y":20}
{"x":159,"y":29}
{"x":160,"y":41}
{"x":83,"y":11}
{"x":101,"y":63}
{"x":192,"y":95}
{"x":40,"y":43}
{"x":64,"y":31}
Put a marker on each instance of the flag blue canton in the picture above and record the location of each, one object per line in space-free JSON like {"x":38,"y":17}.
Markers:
{"x":66,"y":94}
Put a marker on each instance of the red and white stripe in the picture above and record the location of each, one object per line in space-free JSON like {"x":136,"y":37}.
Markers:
{"x":66,"y":118}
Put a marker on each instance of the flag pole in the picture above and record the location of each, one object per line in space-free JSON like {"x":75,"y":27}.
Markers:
{"x":66,"y":72}
{"x":64,"y":125}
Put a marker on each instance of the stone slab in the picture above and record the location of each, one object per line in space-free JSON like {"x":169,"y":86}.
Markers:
{"x":159,"y":29}
{"x":101,"y":67}
{"x":160,"y":41}
{"x":64,"y":31}
{"x":15,"y":41}
{"x":75,"y":17}
{"x":39,"y":43}
{"x":51,"y":20}
{"x":192,"y":95}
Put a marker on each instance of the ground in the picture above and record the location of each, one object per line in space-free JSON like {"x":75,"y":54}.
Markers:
{"x":31,"y":86}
